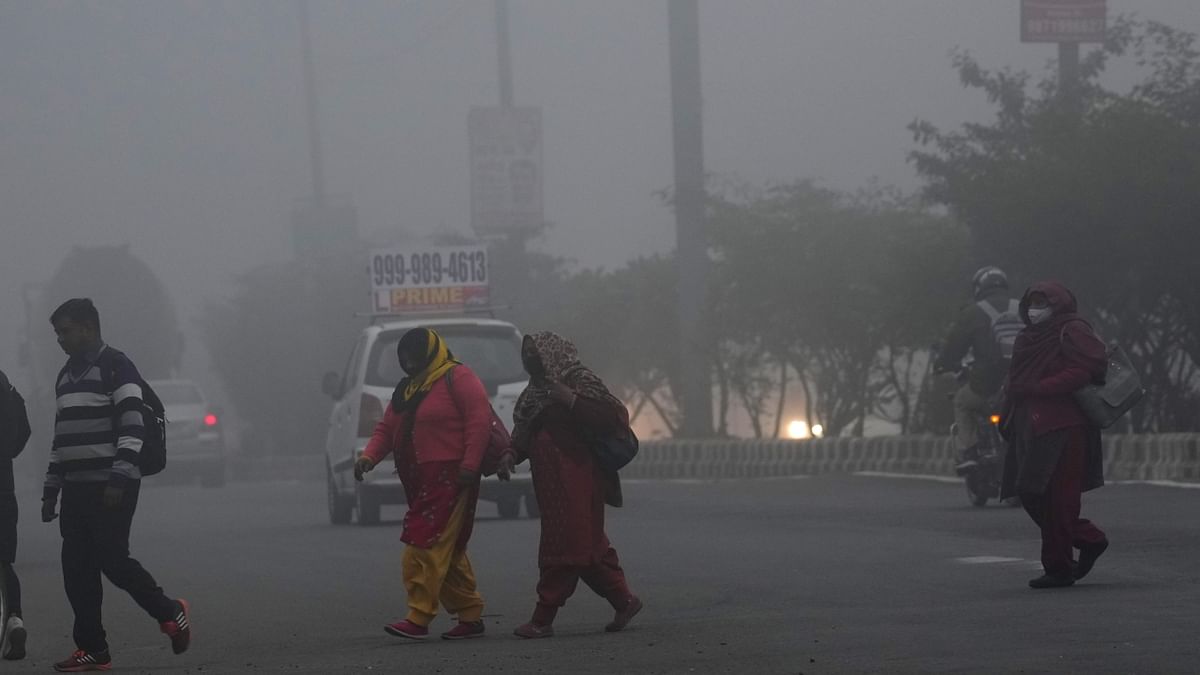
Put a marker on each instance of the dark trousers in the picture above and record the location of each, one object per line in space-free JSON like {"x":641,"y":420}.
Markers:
{"x":557,"y":583}
{"x":1056,"y":511}
{"x":12,"y":590}
{"x":95,"y":541}
{"x":8,"y":539}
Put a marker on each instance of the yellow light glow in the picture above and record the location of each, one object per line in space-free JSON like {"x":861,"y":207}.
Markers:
{"x":818,"y":430}
{"x":797,"y":429}
{"x":995,"y":419}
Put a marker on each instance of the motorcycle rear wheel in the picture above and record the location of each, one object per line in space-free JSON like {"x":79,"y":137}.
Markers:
{"x":974,"y":495}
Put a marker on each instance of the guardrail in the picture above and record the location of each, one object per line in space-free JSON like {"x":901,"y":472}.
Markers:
{"x":1126,"y":457}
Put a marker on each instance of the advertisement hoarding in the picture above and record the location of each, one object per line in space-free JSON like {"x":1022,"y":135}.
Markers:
{"x":506,"y":169}
{"x":1063,"y":20}
{"x":429,"y":279}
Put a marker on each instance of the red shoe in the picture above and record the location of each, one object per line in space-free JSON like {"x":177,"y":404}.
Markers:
{"x":407,"y":629}
{"x":465,"y":630}
{"x":179,"y":629}
{"x":85,"y":662}
{"x":624,"y":616}
{"x":532,"y":631}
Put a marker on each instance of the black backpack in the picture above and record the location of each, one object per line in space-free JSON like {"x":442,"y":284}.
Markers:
{"x":154,"y":417}
{"x":14,"y":420}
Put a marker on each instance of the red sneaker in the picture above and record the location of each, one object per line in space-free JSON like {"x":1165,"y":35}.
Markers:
{"x":407,"y":629}
{"x":532,"y":631}
{"x":179,"y":629}
{"x":465,"y":630}
{"x":84,"y":662}
{"x":624,"y":616}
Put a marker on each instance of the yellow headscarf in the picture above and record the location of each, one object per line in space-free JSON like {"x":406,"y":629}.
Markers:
{"x":439,"y":362}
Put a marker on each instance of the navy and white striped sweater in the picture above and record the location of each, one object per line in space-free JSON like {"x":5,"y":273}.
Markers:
{"x":98,"y":428}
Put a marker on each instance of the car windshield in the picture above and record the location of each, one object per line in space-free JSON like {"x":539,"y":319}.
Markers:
{"x":178,"y":393}
{"x":493,"y":352}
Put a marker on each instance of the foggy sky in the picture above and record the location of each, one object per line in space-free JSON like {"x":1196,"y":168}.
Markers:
{"x":179,"y":127}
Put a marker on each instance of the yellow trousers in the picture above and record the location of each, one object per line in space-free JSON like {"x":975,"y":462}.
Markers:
{"x":442,"y":573}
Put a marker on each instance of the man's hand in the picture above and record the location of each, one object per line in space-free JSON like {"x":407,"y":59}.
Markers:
{"x":467,"y":477}
{"x":563,"y":394}
{"x":113,"y":496}
{"x":48,"y":508}
{"x":362,"y":466}
{"x":506,"y":466}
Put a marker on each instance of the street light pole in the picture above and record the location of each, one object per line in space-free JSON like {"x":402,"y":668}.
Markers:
{"x":691,"y":238}
{"x":504,"y":54}
{"x":310,"y":105}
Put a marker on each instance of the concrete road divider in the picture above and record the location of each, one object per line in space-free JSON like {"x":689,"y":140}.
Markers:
{"x":1167,"y":457}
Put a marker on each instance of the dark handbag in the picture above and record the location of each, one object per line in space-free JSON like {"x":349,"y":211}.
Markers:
{"x":614,"y":450}
{"x":1104,"y":404}
{"x":499,"y":440}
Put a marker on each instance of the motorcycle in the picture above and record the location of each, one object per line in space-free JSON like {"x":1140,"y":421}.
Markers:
{"x":982,"y":466}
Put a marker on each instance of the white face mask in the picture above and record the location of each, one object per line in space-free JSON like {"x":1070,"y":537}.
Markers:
{"x":1039,"y":315}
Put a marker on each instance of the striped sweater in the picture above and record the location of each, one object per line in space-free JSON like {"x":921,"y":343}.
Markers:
{"x":98,"y":427}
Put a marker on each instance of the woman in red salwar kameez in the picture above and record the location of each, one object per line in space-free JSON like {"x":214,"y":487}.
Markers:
{"x":564,"y":405}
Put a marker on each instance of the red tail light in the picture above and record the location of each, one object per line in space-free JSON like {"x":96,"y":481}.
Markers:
{"x":210,"y":420}
{"x":370,"y":411}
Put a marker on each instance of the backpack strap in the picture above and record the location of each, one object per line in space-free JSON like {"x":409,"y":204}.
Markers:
{"x":987,"y":308}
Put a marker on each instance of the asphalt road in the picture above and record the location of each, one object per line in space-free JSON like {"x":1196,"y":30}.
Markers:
{"x":827,"y":574}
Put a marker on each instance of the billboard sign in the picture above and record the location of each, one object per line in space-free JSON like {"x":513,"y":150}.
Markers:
{"x":448,"y":278}
{"x":1063,"y":20}
{"x":506,"y":169}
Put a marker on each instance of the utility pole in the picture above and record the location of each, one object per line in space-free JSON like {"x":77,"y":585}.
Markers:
{"x":1068,"y":75}
{"x":691,"y":236}
{"x":310,"y":105}
{"x":504,"y":54}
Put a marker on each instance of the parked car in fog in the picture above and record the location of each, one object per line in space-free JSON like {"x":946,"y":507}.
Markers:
{"x":195,"y":438}
{"x":362,"y":391}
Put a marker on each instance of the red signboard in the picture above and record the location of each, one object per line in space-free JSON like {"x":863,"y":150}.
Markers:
{"x":1063,"y":20}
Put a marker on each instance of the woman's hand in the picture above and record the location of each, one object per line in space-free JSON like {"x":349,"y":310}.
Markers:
{"x":563,"y":394}
{"x":362,"y":465}
{"x":506,"y":466}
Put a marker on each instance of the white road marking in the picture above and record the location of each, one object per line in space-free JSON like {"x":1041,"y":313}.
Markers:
{"x":987,"y":560}
{"x":951,"y":479}
{"x":707,"y":481}
{"x":915,"y":476}
{"x":1158,"y":483}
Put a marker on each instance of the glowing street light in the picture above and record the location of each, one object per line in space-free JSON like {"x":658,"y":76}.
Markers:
{"x":797,"y":429}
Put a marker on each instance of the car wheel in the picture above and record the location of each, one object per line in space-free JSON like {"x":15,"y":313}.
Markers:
{"x":509,"y":507}
{"x":367,"y":506}
{"x":531,"y":506}
{"x":340,"y":508}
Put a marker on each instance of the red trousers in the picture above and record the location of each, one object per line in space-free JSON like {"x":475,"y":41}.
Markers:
{"x":1056,"y":511}
{"x":557,"y":583}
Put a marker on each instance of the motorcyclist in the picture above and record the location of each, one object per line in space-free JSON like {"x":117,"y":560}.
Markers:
{"x":986,"y":329}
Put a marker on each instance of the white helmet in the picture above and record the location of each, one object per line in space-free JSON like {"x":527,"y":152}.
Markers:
{"x":988,"y":279}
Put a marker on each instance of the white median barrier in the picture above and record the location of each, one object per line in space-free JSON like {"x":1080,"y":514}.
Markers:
{"x":1161,"y":457}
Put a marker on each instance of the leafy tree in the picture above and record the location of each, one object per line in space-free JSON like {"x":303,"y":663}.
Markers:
{"x":1099,"y":191}
{"x":136,"y":312}
{"x":285,"y":325}
{"x":848,"y":290}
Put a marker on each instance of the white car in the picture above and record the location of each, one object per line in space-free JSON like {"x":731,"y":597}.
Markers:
{"x":195,"y":441}
{"x":361,"y":393}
